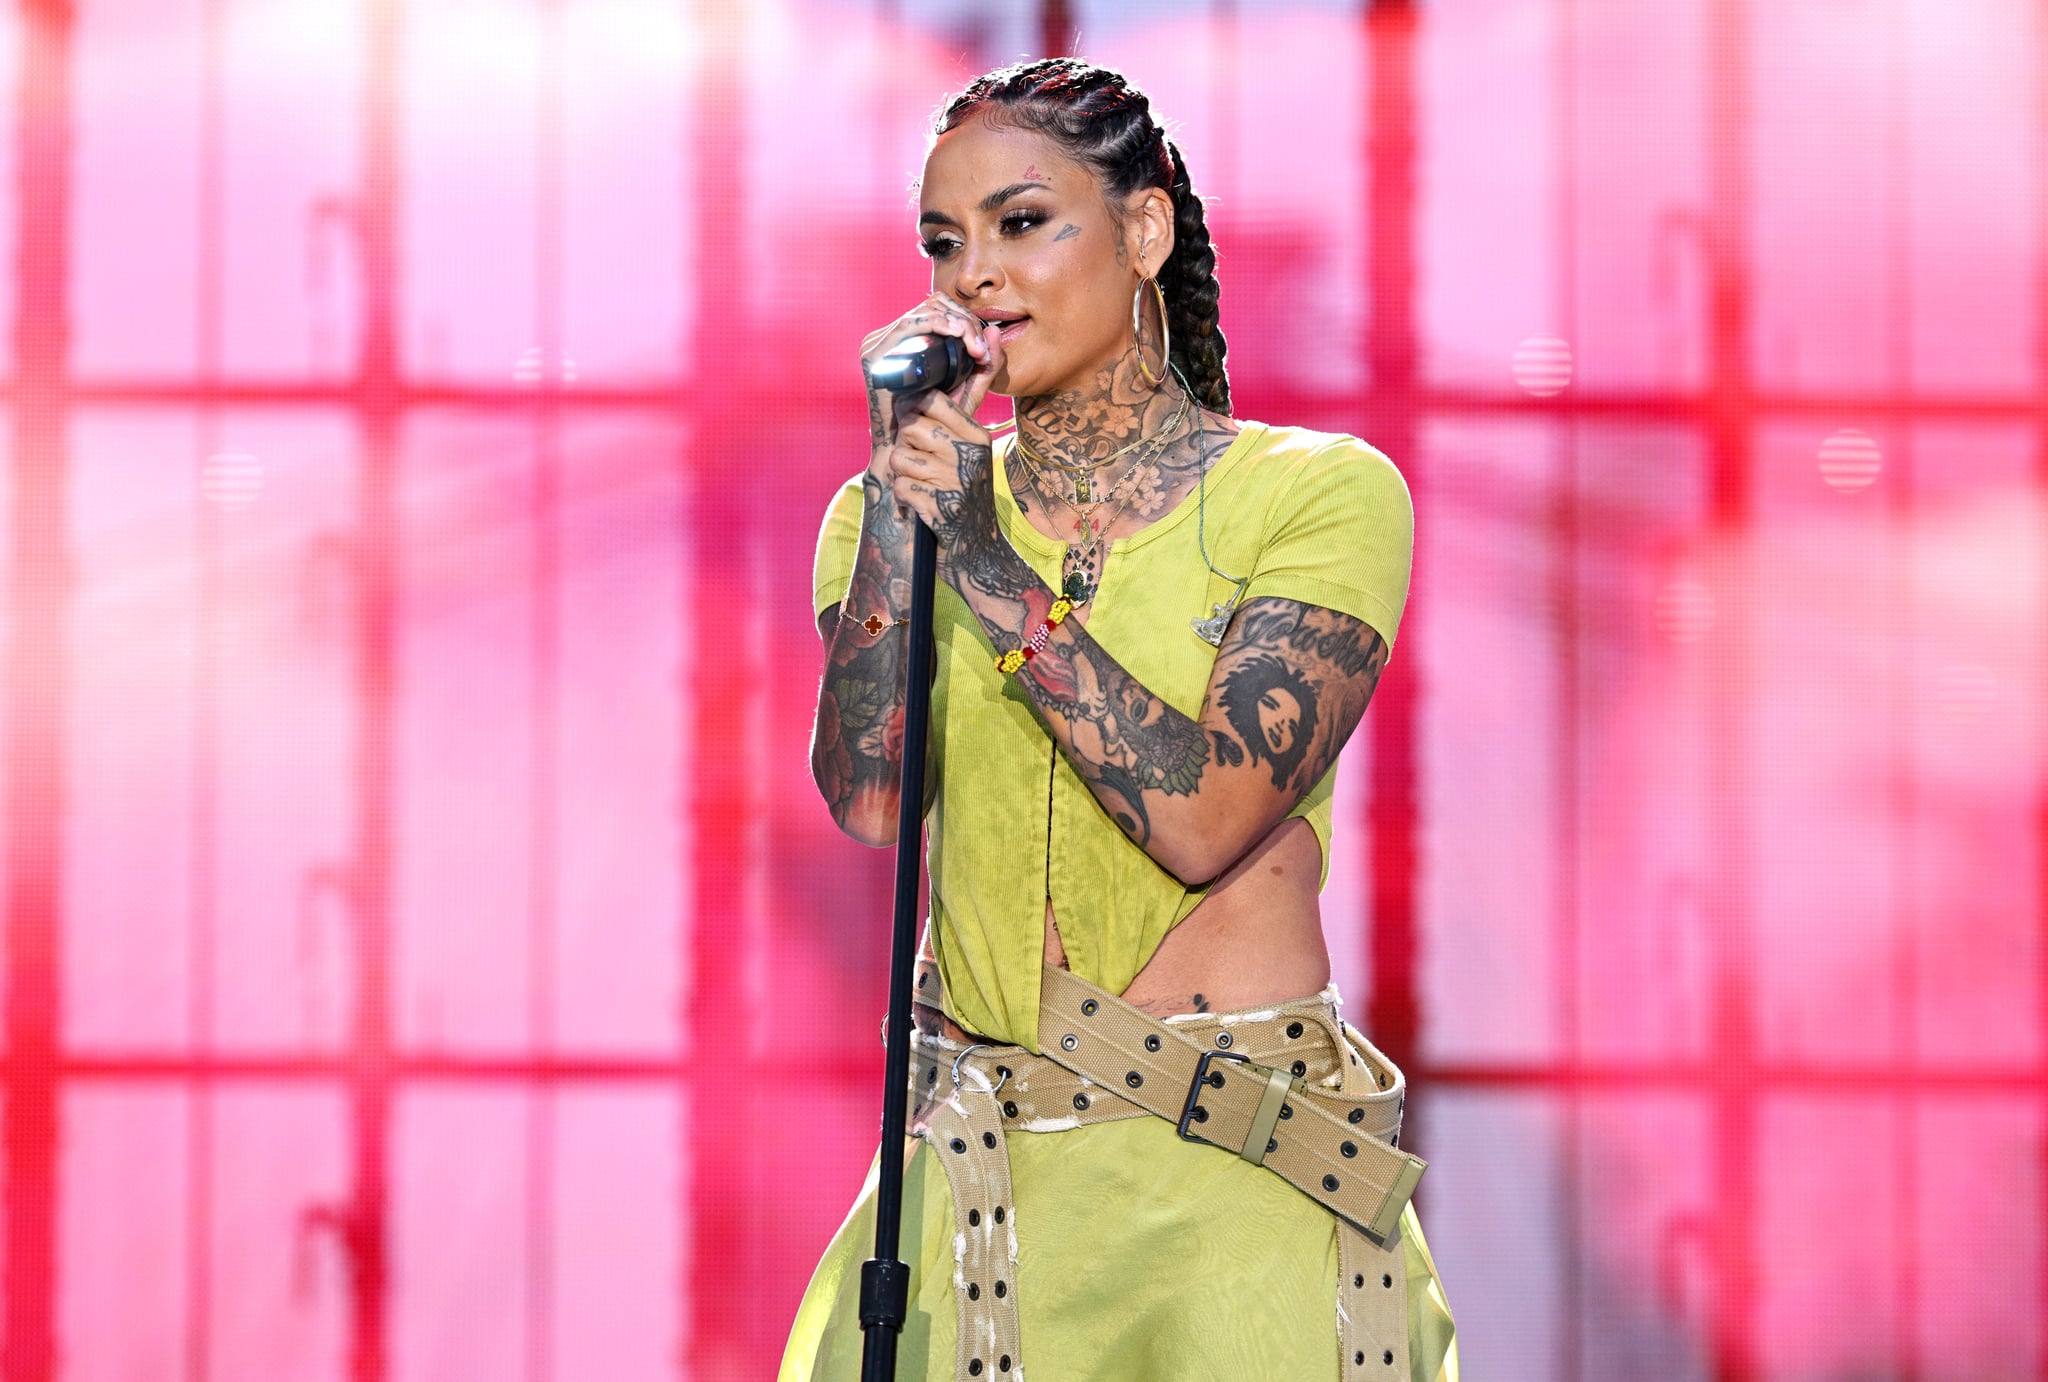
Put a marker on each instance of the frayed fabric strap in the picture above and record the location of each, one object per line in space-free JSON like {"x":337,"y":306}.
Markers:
{"x":954,"y":1103}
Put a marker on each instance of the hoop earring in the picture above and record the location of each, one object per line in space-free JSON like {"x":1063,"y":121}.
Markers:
{"x":1165,"y":331}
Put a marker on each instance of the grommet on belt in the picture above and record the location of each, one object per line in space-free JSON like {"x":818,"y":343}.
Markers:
{"x":1222,"y":1040}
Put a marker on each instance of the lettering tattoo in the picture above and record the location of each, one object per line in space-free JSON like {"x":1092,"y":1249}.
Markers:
{"x":878,"y":422}
{"x":1292,"y":681}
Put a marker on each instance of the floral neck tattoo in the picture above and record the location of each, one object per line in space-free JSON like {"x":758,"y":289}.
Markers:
{"x":1081,"y":566}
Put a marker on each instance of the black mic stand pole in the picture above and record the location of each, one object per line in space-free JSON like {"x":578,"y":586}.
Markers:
{"x":885,"y":1281}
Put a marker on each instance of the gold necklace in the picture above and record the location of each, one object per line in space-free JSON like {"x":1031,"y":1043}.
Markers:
{"x":1080,"y":571}
{"x":1084,"y":483}
{"x":1085,"y":501}
{"x":1084,"y":504}
{"x":1084,"y":510}
{"x":1080,"y":568}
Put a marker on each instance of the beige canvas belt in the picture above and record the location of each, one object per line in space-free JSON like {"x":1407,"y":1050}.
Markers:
{"x":1291,"y":1087}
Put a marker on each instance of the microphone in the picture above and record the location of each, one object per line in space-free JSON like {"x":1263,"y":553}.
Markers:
{"x":930,"y":361}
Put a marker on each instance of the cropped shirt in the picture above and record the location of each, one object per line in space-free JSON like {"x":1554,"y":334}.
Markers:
{"x":1318,"y":517}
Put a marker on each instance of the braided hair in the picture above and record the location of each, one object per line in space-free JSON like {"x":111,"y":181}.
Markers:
{"x":1101,"y":120}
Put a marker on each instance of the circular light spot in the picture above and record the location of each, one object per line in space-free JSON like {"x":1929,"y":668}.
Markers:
{"x":1685,"y":610}
{"x":1850,"y":461}
{"x":1542,"y":365}
{"x":231,"y":479}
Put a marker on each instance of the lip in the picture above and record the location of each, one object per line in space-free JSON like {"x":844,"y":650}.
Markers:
{"x":1008,"y":327}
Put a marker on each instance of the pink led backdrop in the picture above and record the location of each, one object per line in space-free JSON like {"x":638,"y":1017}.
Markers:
{"x":425,"y":954}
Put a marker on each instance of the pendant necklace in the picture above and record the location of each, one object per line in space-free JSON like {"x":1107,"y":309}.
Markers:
{"x":1084,"y":471}
{"x":1081,"y":564}
{"x":1209,"y":630}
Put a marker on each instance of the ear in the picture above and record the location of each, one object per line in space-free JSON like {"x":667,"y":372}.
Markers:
{"x":1148,"y":221}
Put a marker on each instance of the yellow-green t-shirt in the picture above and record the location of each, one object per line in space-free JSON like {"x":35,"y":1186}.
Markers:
{"x":1319,"y":517}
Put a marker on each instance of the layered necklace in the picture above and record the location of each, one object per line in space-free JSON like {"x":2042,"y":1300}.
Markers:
{"x":1081,"y":567}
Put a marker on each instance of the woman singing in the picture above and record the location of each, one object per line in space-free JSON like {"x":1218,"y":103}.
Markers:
{"x":1145,"y":1143}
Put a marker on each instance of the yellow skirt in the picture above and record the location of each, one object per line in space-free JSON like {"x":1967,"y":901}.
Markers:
{"x":1139,"y":1256}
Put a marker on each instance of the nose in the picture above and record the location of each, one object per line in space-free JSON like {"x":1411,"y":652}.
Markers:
{"x":976,"y":271}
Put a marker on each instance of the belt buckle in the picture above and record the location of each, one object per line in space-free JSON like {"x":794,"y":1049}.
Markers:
{"x":1187,"y":1108}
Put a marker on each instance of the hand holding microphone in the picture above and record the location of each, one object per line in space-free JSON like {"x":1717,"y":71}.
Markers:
{"x":927,"y":373}
{"x":938,"y":345}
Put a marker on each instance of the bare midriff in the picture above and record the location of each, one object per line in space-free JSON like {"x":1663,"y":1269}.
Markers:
{"x":1255,"y":938}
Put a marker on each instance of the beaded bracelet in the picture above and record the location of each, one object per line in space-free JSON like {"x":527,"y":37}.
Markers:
{"x":1034,"y":645}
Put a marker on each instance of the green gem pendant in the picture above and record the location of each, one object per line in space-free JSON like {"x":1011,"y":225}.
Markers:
{"x":1076,"y":587}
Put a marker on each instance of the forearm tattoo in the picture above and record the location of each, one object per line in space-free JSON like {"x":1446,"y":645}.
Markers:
{"x":1290,"y":684}
{"x":1122,"y":740}
{"x":857,"y":743}
{"x":975,"y":552}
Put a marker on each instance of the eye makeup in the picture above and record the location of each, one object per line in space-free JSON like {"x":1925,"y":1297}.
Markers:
{"x":1014,"y":223}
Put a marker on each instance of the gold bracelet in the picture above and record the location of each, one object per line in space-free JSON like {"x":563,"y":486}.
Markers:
{"x":875,"y":624}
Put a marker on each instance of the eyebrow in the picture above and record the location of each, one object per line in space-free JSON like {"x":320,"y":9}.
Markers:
{"x":988,"y":203}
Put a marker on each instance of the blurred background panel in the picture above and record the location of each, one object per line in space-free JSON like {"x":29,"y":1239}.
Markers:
{"x":425,"y":953}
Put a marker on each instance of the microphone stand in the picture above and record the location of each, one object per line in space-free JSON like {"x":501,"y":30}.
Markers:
{"x":918,"y":362}
{"x":885,"y":1281}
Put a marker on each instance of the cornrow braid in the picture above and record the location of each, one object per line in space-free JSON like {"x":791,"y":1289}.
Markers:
{"x":1188,"y":278}
{"x":1101,"y":120}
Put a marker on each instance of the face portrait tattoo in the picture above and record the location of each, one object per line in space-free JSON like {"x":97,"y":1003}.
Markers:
{"x":1273,"y":710}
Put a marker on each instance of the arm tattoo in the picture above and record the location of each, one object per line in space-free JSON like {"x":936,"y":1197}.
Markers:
{"x":1125,"y":740}
{"x":878,"y":426}
{"x":1292,"y":681}
{"x":974,"y":545}
{"x":1289,"y":686}
{"x":857,"y":742}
